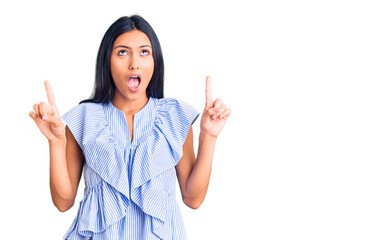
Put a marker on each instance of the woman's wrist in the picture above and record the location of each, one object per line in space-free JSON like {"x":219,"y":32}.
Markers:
{"x":206,"y":137}
{"x":58,"y":142}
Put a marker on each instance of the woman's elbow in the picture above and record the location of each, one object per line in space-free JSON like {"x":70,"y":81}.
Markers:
{"x":192,"y":203}
{"x":63,"y":207}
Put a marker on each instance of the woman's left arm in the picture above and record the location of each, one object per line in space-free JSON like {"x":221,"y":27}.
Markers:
{"x":194,"y":173}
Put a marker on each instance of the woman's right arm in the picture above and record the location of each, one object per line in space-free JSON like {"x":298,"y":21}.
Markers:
{"x":66,"y":159}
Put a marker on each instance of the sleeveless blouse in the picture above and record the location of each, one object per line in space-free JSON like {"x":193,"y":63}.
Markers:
{"x":130,"y":185}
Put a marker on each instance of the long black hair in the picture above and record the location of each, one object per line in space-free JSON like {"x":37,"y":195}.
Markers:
{"x":104,"y":87}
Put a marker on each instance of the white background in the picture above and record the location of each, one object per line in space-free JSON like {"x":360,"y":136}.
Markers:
{"x":306,"y":151}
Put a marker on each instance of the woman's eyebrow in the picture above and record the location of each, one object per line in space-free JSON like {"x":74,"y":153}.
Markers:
{"x":123,"y":46}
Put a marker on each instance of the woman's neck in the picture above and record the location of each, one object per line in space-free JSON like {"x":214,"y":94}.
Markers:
{"x":129,"y":106}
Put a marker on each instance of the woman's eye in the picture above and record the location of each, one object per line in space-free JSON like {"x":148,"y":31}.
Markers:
{"x":144,"y":52}
{"x":122,"y":53}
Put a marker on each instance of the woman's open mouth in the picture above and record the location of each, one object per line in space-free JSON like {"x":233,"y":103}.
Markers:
{"x":134,"y":82}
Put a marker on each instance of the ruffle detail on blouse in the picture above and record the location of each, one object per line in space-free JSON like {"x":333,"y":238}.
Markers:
{"x":107,"y":202}
{"x":89,"y":126}
{"x":102,"y":207}
{"x":173,"y":119}
{"x":158,"y":152}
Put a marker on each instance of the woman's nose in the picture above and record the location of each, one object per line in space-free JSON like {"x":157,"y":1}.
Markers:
{"x":133,"y":64}
{"x":131,"y":67}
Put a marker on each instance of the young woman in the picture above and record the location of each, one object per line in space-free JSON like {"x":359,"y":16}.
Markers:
{"x":130,"y":142}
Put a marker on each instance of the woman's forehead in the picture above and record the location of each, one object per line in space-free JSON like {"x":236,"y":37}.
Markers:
{"x":132,"y":39}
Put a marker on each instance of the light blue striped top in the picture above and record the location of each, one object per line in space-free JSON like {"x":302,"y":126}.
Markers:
{"x":130,"y":185}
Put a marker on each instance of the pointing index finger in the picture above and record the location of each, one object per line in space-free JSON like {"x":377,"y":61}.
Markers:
{"x":208,"y":92}
{"x":50,"y":96}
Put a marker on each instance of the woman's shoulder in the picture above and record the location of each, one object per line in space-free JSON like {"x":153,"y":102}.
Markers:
{"x":172,"y":111}
{"x":85,"y":107}
{"x":84,"y":111}
{"x":89,"y":106}
{"x":85,"y":120}
{"x":172,"y":103}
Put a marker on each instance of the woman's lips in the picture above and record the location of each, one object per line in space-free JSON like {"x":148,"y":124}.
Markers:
{"x":134,"y":82}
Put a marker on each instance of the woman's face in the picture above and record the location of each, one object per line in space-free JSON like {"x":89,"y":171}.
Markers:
{"x":132,"y":65}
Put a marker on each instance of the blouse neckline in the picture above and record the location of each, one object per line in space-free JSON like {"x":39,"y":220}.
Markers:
{"x":142,"y":123}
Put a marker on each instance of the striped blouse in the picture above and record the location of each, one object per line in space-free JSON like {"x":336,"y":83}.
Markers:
{"x":130,"y":185}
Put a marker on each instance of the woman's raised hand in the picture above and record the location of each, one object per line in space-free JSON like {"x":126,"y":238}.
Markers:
{"x":215,"y":113}
{"x":48,"y":118}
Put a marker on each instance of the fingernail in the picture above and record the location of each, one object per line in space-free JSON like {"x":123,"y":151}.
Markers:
{"x":221,"y":116}
{"x":214,"y":117}
{"x":44,"y":117}
{"x":217,"y":110}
